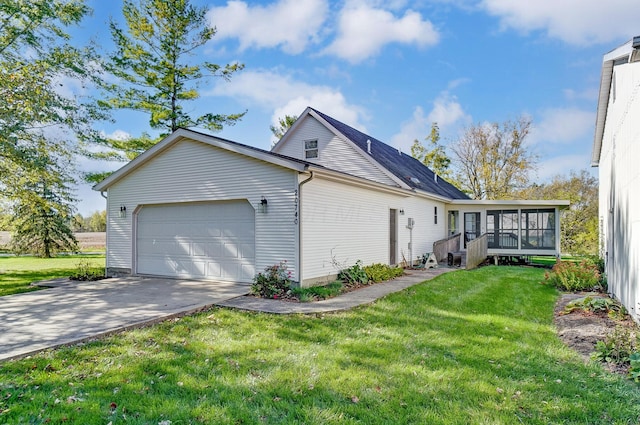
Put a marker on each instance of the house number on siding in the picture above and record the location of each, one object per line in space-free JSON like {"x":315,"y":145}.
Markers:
{"x":295,"y":200}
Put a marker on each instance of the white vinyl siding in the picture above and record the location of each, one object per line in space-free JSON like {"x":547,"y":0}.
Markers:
{"x":191,"y":171}
{"x":333,"y":152}
{"x":619,"y":179}
{"x":342,"y":223}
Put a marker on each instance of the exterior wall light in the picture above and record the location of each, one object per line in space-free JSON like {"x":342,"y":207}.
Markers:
{"x":401,"y":212}
{"x":263,"y":205}
{"x":123,"y":211}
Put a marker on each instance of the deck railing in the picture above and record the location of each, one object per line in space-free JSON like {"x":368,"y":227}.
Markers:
{"x":444,"y":246}
{"x":477,"y":251}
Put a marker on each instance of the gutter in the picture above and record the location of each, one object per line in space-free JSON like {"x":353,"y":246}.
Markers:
{"x":302,"y":183}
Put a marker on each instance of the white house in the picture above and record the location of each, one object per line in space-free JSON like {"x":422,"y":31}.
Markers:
{"x":327,"y":195}
{"x":616,"y":153}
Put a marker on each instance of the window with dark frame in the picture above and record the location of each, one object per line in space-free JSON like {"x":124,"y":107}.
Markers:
{"x":310,"y":149}
{"x":502,"y":229}
{"x":538,"y":229}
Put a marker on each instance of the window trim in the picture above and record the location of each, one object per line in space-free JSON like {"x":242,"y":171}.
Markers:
{"x":308,"y":149}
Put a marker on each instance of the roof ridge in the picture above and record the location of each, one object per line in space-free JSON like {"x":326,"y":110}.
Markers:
{"x":405,"y":167}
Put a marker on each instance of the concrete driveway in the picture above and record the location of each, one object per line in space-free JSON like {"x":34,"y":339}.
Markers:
{"x":72,"y":313}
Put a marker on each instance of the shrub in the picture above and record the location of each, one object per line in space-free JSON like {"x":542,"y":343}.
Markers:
{"x":598,"y":305}
{"x":380,"y":272}
{"x":86,"y":271}
{"x":275,"y":282}
{"x":634,"y":367}
{"x":570,"y":276}
{"x":617,"y":347}
{"x":354,"y":274}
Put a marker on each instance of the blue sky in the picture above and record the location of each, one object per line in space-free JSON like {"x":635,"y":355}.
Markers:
{"x":391,"y":68}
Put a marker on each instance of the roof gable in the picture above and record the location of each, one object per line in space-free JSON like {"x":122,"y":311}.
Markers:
{"x":182,"y":134}
{"x":405,"y":168}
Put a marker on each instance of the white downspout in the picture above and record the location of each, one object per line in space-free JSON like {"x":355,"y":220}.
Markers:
{"x":300,"y":226}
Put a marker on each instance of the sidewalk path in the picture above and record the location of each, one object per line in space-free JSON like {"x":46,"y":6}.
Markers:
{"x":343,"y":302}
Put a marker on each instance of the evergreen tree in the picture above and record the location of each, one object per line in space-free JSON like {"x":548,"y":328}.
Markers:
{"x":39,"y":119}
{"x":42,"y":210}
{"x":434,"y":156}
{"x":156,"y":71}
{"x":283,"y":125}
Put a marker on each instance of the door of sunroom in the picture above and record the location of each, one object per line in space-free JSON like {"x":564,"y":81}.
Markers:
{"x":471,"y":226}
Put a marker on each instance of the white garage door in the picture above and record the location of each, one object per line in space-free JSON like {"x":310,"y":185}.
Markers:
{"x":213,"y":240}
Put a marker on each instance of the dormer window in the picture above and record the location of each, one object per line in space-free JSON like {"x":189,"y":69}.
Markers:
{"x":310,"y":149}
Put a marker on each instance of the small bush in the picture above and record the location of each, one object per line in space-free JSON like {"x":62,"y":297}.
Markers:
{"x":598,"y":305}
{"x":86,"y":271}
{"x":380,"y":272}
{"x":570,"y":276}
{"x":275,"y":282}
{"x":354,"y":274}
{"x":617,"y":347}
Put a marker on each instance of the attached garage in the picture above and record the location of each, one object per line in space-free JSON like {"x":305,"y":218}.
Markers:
{"x":205,"y":240}
{"x":199,"y":207}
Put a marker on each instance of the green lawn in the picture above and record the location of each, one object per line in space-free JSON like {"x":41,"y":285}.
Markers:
{"x":17,"y":273}
{"x":473,"y":347}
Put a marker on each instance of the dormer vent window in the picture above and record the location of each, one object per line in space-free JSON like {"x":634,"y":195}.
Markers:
{"x":310,"y":149}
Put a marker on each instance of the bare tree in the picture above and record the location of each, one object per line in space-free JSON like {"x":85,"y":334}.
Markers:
{"x":492,"y":160}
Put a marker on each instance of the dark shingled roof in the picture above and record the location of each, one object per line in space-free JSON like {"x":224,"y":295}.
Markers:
{"x":411,"y":171}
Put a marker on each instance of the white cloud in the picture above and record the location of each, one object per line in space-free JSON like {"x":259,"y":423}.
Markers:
{"x":590,"y":95}
{"x":289,"y":24}
{"x":579,"y":22}
{"x":561,"y":165}
{"x":116,"y":135}
{"x":364,"y":30}
{"x":562,"y":125}
{"x":447,"y":112}
{"x":287,"y":96}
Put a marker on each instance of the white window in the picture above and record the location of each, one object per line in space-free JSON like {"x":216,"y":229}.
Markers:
{"x":310,"y":149}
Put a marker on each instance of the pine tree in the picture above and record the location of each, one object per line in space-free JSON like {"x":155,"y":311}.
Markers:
{"x":43,"y":209}
{"x":433,"y":156}
{"x":156,"y":71}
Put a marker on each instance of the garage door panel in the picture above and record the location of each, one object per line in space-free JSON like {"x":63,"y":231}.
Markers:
{"x":230,"y":250}
{"x":248,"y":250}
{"x":213,"y":240}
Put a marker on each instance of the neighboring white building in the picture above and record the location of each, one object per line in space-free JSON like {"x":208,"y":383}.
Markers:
{"x":198,"y":206}
{"x":616,"y":152}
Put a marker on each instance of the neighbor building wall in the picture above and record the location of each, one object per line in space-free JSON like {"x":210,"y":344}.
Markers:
{"x":619,"y":179}
{"x":343,"y":223}
{"x":192,"y":171}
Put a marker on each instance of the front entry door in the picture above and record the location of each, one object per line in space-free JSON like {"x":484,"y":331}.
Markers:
{"x":393,"y":236}
{"x":471,"y":226}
